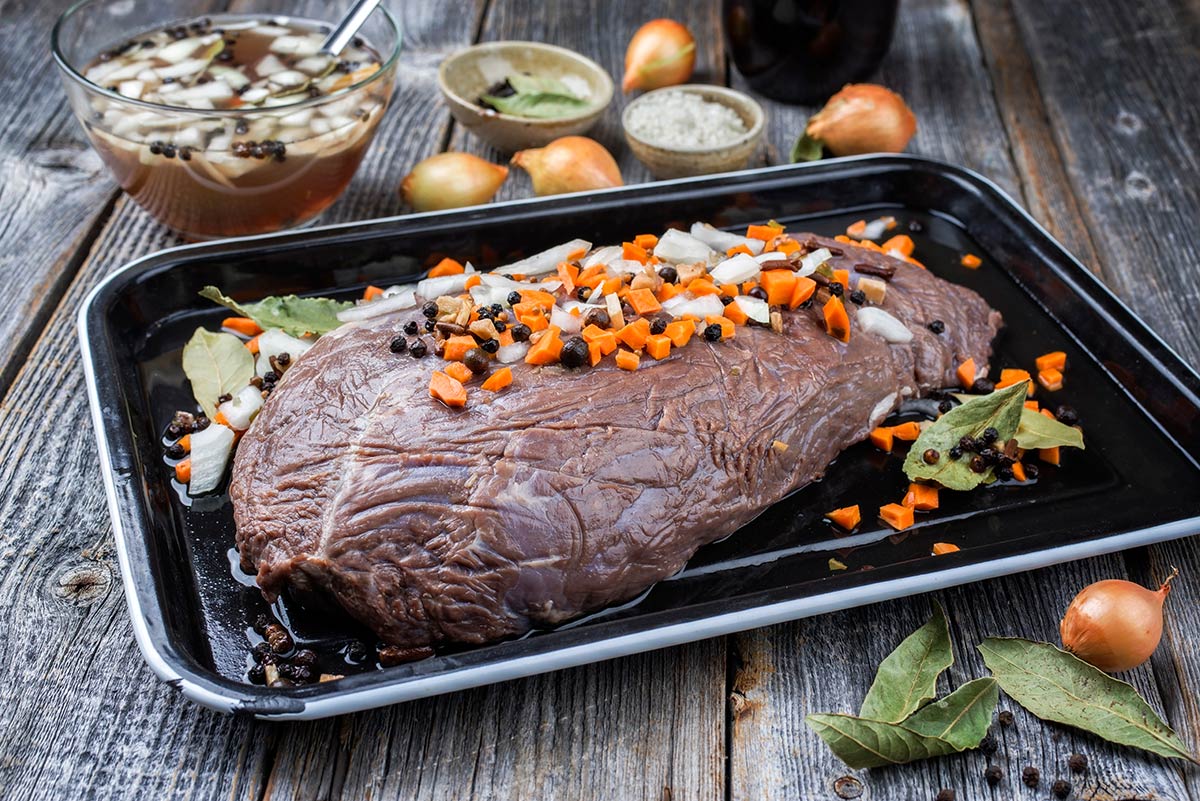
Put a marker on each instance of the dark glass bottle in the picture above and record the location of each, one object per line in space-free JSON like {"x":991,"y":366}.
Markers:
{"x":802,"y":51}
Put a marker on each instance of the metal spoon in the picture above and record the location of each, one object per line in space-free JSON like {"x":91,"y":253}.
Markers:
{"x":336,"y":42}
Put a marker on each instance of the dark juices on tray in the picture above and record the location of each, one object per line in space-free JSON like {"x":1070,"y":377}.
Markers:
{"x":802,"y":51}
{"x":262,"y":132}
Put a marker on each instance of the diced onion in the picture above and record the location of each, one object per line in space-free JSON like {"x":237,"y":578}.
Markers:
{"x":376,"y":308}
{"x":241,"y":409}
{"x":810,"y":263}
{"x":512,"y":353}
{"x":736,"y":270}
{"x":875,"y":320}
{"x":273,"y":342}
{"x":603,"y":255}
{"x":399,"y":289}
{"x":433,"y":288}
{"x":703,"y":306}
{"x":210,"y":453}
{"x":624,"y":266}
{"x":567,"y":323}
{"x":677,"y":247}
{"x":754,"y":308}
{"x":877,"y":228}
{"x":548,"y":260}
{"x":484,"y":295}
{"x":723,"y":240}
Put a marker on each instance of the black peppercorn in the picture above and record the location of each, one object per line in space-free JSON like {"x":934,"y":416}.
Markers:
{"x":978,"y":464}
{"x":1077,"y":763}
{"x":411,"y":328}
{"x":598,"y":318}
{"x":261,"y":622}
{"x":712,"y":332}
{"x":931,"y":456}
{"x":1004,"y":472}
{"x":175,"y":451}
{"x":994,"y":775}
{"x":658,"y":325}
{"x":836,"y":289}
{"x":476,"y":359}
{"x":490,"y":345}
{"x":1031,"y":471}
{"x":201,"y":423}
{"x":284,"y":358}
{"x":990,"y":435}
{"x":429,"y":309}
{"x":399,"y":345}
{"x":156,"y":148}
{"x":982,"y":386}
{"x":956,"y":452}
{"x":483,"y":313}
{"x":989,"y":455}
{"x":185,"y":153}
{"x":858,"y":297}
{"x":356,"y":651}
{"x":726,"y":300}
{"x":583,"y":293}
{"x":174,"y":431}
{"x":945,"y":406}
{"x":1061,"y":788}
{"x":418,"y":349}
{"x":304,"y":657}
{"x":262,"y":653}
{"x":669,"y":274}
{"x":521,"y":332}
{"x":967,"y":443}
{"x":937,"y":326}
{"x":1066,"y":415}
{"x":758,"y":292}
{"x":1031,"y":776}
{"x":513,"y":298}
{"x":297,"y":673}
{"x":945,"y":794}
{"x":500,"y":326}
{"x":495,"y":309}
{"x":278,"y":638}
{"x":257,"y":674}
{"x":1005,"y":717}
{"x":988,"y":745}
{"x":271,"y":376}
{"x":430,"y":325}
{"x":574,"y":353}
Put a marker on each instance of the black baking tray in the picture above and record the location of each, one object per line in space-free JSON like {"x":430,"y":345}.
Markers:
{"x":1137,"y":482}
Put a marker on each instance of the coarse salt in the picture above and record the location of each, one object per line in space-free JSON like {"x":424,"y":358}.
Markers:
{"x":684,"y":120}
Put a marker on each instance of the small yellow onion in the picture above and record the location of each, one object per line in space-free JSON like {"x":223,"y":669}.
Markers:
{"x":863,"y":118}
{"x":451,"y":181}
{"x":569,"y":164}
{"x":1114,"y":624}
{"x":661,"y":53}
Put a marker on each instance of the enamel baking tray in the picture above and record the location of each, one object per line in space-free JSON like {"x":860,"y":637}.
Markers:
{"x":1137,"y":482}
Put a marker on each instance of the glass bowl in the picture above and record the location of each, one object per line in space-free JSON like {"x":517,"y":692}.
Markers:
{"x":204,"y":172}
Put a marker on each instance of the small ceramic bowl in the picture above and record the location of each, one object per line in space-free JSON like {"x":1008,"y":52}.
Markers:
{"x":680,"y":162}
{"x":466,"y":75}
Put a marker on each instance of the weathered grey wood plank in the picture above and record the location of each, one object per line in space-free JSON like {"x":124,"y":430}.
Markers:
{"x":53,"y":187}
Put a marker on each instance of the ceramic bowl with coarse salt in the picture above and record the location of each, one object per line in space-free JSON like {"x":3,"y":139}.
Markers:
{"x":693,"y":129}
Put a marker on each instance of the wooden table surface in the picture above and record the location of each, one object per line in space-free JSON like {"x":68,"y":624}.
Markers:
{"x":1087,"y":113}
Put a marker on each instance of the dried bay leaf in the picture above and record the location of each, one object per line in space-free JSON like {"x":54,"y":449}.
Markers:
{"x":216,"y":364}
{"x":1057,"y":686}
{"x":292,"y":315}
{"x":961,"y":718}
{"x":907,"y":677}
{"x":1036,"y":430}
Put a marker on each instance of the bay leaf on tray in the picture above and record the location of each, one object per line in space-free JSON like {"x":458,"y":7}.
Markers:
{"x":292,"y":315}
{"x":1060,"y":687}
{"x":1036,"y":430}
{"x":216,"y":364}
{"x":907,"y":677}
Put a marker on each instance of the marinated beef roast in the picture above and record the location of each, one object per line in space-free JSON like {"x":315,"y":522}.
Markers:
{"x":572,"y":489}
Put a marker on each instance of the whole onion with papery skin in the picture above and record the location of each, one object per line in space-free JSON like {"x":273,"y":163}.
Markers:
{"x":1115,"y":624}
{"x":569,"y":164}
{"x":863,"y":118}
{"x":661,"y":53}
{"x":451,"y":181}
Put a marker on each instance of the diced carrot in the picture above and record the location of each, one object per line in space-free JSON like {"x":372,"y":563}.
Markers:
{"x":943,"y":548}
{"x":521,"y":309}
{"x":680,"y":331}
{"x":1010,"y":376}
{"x":506,"y":337}
{"x":1048,"y":413}
{"x":897,"y":516}
{"x":779,"y":285}
{"x":763,"y":232}
{"x":627,"y":359}
{"x":658,"y":346}
{"x":845,"y":239}
{"x":843,"y":278}
{"x":1049,"y":455}
{"x":727,"y":330}
{"x":183,"y":470}
{"x":634,"y":252}
{"x":574,"y":255}
{"x":1032,"y":405}
{"x":634,"y":334}
{"x":590,"y":272}
{"x":1051,"y":379}
{"x":845,"y":518}
{"x":734,"y":312}
{"x":900,"y":242}
{"x":921,"y":496}
{"x":372,"y":292}
{"x":185,"y":442}
{"x":802,"y":291}
{"x":869,"y":245}
{"x":1054,"y":360}
{"x":498,"y":380}
{"x":456,"y":348}
{"x":567,"y":273}
{"x":473,"y":280}
{"x":736,"y":249}
{"x":448,"y":390}
{"x":729,"y":290}
{"x":837,"y":322}
{"x":446,"y":266}
{"x":459,"y":372}
{"x":907,"y":431}
{"x":610,"y":285}
{"x":547,"y":349}
{"x":643,"y":301}
{"x":220,"y":419}
{"x":536,"y":321}
{"x":883,"y":438}
{"x":966,"y":374}
{"x":667,"y":291}
{"x":537,"y":297}
{"x":252,"y":345}
{"x":747,"y":286}
{"x":857,"y":228}
{"x":243,"y":325}
{"x":605,"y":340}
{"x":594,"y":353}
{"x":646,"y":241}
{"x":702,"y":286}
{"x":970,"y":260}
{"x":1018,"y":471}
{"x":788,"y":246}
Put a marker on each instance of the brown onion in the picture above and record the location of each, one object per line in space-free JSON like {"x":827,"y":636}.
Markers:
{"x":661,"y":53}
{"x":569,"y":164}
{"x":863,"y":118}
{"x":1114,"y":624}
{"x":451,"y":181}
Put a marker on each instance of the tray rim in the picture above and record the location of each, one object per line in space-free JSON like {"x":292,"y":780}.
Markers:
{"x":201,"y":689}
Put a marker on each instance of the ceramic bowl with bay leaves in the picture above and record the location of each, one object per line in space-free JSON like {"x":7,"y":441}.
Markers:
{"x":516,"y":95}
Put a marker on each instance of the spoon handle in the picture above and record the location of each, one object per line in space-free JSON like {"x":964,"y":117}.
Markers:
{"x":344,"y":32}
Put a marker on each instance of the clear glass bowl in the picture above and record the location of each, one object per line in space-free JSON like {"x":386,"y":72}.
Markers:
{"x":223,"y":187}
